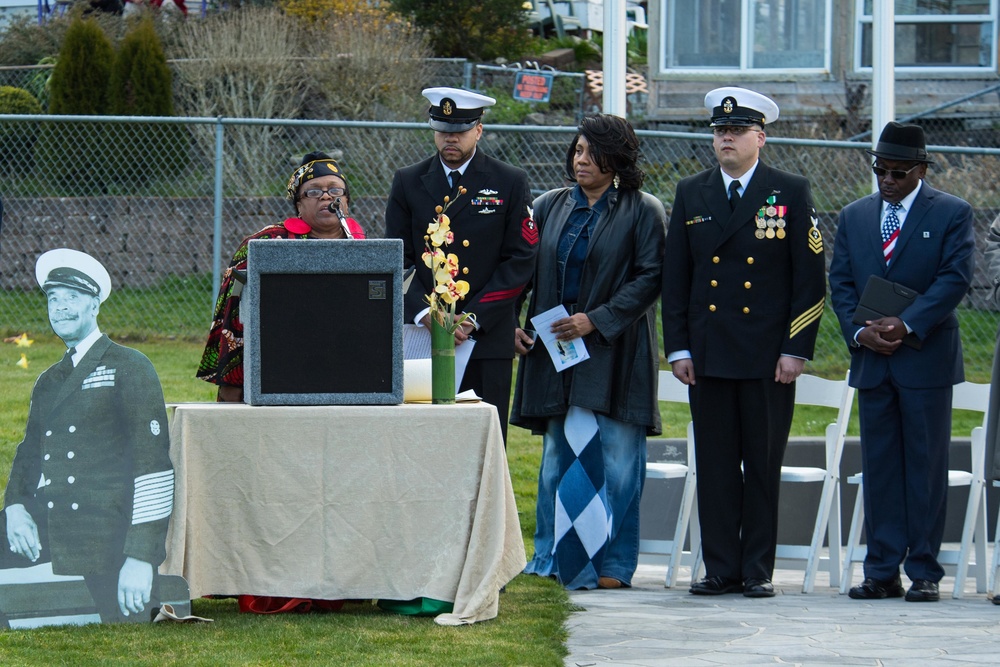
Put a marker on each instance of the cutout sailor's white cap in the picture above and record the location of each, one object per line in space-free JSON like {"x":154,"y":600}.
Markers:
{"x":77,"y":270}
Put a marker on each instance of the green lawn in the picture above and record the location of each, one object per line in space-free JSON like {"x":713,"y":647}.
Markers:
{"x":528,"y":631}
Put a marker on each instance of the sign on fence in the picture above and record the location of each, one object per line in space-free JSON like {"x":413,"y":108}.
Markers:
{"x":533,"y":86}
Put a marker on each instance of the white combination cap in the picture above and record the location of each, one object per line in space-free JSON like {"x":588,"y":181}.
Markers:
{"x":454,"y":109}
{"x":739,"y":106}
{"x":77,"y":270}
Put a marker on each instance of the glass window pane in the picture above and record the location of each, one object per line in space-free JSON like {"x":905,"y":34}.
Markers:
{"x":935,"y":7}
{"x":704,"y":33}
{"x":789,"y":33}
{"x":936,"y":45}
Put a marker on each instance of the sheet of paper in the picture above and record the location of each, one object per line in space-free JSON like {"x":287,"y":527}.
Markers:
{"x":417,"y":383}
{"x":564,"y":353}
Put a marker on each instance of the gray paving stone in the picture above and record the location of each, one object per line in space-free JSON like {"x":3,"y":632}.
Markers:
{"x":652,"y":626}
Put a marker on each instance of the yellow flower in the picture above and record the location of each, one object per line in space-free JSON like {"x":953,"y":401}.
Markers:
{"x":23,"y":363}
{"x":444,"y":268}
{"x":440,"y":231}
{"x":23,"y":341}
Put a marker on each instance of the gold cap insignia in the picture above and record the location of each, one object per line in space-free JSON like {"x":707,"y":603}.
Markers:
{"x":447,"y":107}
{"x":728,"y":104}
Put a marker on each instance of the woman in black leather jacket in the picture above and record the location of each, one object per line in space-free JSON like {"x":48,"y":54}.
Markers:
{"x":600,"y":257}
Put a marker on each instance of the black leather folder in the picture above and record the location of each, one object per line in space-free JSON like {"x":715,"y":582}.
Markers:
{"x":884,"y":298}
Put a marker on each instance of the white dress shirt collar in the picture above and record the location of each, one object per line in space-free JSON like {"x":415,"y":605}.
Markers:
{"x":84,"y":345}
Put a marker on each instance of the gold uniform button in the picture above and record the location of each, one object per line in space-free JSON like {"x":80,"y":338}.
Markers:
{"x":746,"y":311}
{"x":712,"y":308}
{"x":714,"y":283}
{"x":465,"y":243}
{"x":749,"y":260}
{"x":715,"y":260}
{"x":747,"y":284}
{"x":465,"y":269}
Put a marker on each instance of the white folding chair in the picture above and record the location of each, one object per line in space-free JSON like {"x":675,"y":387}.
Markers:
{"x":839,"y":395}
{"x":672,"y":390}
{"x":966,"y":396}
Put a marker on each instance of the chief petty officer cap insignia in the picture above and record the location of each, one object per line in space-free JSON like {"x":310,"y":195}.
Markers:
{"x":454,"y":109}
{"x":77,"y":270}
{"x":740,"y":107}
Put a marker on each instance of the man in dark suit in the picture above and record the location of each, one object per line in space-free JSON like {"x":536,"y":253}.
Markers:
{"x":92,"y":483}
{"x":495,"y":237}
{"x":743,"y":293}
{"x":911,"y":234}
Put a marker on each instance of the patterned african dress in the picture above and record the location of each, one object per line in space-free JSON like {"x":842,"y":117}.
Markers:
{"x":222,"y":360}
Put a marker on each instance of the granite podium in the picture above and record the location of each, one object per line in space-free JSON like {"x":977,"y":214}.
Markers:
{"x":324,"y":322}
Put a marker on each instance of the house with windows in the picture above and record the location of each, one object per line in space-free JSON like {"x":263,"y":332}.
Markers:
{"x":814,"y":57}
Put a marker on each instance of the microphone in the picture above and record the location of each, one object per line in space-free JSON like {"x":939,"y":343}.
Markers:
{"x":334,"y":207}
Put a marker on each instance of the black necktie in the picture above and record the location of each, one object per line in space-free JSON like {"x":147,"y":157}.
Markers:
{"x":455,"y":176}
{"x":734,"y":195}
{"x":65,"y":366}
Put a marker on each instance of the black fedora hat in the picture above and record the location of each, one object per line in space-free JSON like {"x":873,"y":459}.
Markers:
{"x":901,"y":142}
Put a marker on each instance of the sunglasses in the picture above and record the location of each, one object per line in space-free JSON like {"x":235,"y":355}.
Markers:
{"x":897,"y":174}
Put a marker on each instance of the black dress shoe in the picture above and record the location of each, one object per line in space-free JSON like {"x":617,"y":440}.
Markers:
{"x":923,"y":590}
{"x":758,"y":588}
{"x":877,"y":589}
{"x":995,"y":599}
{"x":716,"y":586}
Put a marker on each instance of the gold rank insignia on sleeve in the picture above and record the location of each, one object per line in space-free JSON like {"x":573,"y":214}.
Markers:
{"x":815,"y":236}
{"x":812,"y":314}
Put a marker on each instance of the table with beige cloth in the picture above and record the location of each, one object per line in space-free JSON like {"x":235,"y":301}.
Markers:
{"x":345,"y":502}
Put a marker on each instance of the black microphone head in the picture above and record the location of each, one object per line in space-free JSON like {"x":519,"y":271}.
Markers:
{"x":334,"y":208}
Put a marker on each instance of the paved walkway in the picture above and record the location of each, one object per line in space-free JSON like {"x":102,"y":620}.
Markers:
{"x":653,"y":626}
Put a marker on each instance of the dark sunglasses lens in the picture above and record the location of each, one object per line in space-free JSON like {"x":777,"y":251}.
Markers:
{"x":897,"y":174}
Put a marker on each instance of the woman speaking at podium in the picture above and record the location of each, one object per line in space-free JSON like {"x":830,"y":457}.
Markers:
{"x":319,"y":195}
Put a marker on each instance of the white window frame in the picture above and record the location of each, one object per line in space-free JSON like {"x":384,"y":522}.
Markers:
{"x":862,"y":20}
{"x":667,"y":7}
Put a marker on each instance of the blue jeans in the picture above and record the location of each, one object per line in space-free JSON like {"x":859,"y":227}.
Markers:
{"x":624,"y":449}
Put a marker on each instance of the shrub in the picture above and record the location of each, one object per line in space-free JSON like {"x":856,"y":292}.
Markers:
{"x":244,"y":63}
{"x":79,"y":83}
{"x":319,"y":10}
{"x":18,"y":100}
{"x":24,"y":42}
{"x":374,"y":72}
{"x":480,"y":30}
{"x":17,"y":139}
{"x":141,"y":86}
{"x":78,"y":86}
{"x":140,"y":80}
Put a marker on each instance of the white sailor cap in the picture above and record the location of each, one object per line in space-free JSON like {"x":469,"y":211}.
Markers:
{"x":454,"y":109}
{"x":738,"y":106}
{"x":77,"y":270}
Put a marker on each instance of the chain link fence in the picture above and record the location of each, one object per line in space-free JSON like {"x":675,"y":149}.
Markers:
{"x":163,"y":202}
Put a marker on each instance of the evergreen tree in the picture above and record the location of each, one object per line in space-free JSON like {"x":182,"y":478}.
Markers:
{"x":79,"y":84}
{"x":141,"y":86}
{"x":140,"y":81}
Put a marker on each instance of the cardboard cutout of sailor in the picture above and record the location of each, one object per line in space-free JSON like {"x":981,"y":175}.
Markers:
{"x":91,"y":487}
